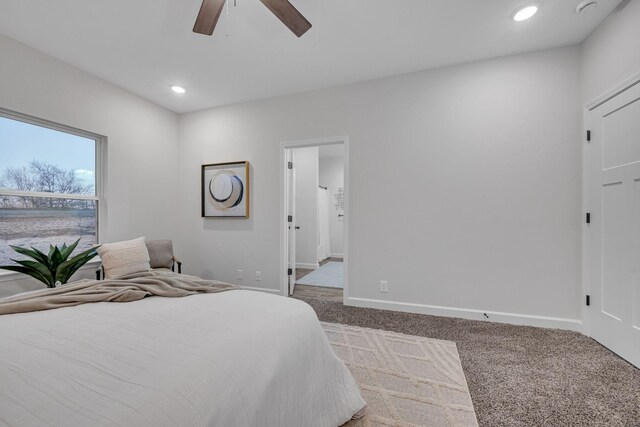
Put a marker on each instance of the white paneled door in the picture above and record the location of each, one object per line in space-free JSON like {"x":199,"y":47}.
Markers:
{"x":612,"y":196}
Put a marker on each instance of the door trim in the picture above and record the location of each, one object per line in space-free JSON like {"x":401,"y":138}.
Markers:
{"x":584,"y":256}
{"x":613,"y":92}
{"x":284,"y":243}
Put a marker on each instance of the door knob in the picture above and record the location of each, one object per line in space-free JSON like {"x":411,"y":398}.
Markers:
{"x":297,"y":227}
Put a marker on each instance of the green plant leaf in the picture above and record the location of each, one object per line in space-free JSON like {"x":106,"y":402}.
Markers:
{"x":69,"y":267}
{"x":66,"y":251}
{"x":44,"y":259}
{"x":25,"y":270}
{"x":67,"y":271}
{"x":55,"y":259}
{"x":41,"y":269}
{"x":92,"y":252}
{"x":28,"y":252}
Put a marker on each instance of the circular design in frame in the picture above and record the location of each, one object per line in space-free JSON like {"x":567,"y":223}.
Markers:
{"x":225,"y":190}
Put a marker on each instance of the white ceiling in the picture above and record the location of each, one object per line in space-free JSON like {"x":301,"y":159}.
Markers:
{"x":146,"y":46}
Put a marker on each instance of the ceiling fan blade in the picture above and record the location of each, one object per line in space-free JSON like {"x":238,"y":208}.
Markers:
{"x":208,"y":16}
{"x":289,"y":16}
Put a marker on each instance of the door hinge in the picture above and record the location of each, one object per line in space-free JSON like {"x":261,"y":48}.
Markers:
{"x":289,"y":218}
{"x":289,"y":272}
{"x":588,"y":300}
{"x":290,"y":165}
{"x":588,"y":136}
{"x":588,"y":217}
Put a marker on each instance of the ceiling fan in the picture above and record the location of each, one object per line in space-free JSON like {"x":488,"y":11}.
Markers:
{"x":290,"y":16}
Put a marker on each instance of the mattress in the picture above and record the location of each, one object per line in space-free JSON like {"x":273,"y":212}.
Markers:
{"x":236,"y":358}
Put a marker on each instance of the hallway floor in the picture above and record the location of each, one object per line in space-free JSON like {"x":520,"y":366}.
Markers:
{"x":309,"y":291}
{"x":320,"y":292}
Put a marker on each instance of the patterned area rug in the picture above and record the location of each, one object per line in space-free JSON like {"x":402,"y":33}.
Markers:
{"x":406,"y":380}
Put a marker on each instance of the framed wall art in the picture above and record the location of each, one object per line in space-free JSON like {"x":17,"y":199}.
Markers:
{"x":225,"y":190}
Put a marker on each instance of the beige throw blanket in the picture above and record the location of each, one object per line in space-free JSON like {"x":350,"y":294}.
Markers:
{"x":128,"y":288}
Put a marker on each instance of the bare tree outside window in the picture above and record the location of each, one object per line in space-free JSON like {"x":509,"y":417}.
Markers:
{"x":18,"y":179}
{"x":44,"y":177}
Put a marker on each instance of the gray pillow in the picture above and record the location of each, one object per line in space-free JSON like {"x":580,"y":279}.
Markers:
{"x":160,"y":253}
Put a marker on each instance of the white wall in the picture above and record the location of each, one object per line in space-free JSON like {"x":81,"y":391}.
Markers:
{"x":332,"y":177}
{"x":306,"y":168}
{"x":611,"y":54}
{"x":142,"y":137}
{"x":465,"y":186}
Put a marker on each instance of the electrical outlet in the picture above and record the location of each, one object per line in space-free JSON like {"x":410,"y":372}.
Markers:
{"x":384,"y":286}
{"x":239,"y":274}
{"x":258,"y":275}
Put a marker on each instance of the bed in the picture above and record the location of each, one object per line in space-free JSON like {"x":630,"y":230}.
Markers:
{"x":232,"y":358}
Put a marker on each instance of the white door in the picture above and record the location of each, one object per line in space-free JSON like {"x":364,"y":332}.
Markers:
{"x":612,"y":196}
{"x":291,"y":218}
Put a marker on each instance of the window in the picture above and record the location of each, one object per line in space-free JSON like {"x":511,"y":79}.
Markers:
{"x":49,"y":185}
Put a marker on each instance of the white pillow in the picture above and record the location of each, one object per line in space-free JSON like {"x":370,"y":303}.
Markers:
{"x":121,"y":258}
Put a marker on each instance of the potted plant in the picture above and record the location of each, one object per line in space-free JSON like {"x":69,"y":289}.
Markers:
{"x":52,"y":269}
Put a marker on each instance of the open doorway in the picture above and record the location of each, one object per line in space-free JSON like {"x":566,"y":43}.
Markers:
{"x":315,"y":227}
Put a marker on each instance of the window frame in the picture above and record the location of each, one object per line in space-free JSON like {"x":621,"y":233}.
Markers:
{"x":100,"y":170}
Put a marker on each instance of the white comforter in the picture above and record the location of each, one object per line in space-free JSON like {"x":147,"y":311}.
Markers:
{"x":236,"y":358}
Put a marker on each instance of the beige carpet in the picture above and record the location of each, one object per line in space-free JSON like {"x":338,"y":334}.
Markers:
{"x":406,"y":380}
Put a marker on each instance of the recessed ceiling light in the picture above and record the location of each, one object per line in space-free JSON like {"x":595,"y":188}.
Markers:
{"x":525,"y":13}
{"x":178,"y":89}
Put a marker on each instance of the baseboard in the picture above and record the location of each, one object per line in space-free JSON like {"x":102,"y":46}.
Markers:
{"x":307,"y":265}
{"x":251,"y":288}
{"x":493,"y":316}
{"x":337,"y":256}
